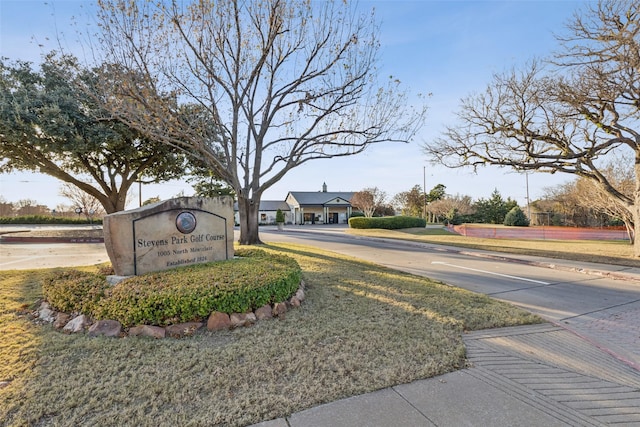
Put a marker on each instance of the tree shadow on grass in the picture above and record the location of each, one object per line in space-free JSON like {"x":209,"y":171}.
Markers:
{"x":410,"y":293}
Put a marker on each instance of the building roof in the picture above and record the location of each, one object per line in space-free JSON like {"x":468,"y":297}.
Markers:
{"x":273,"y":205}
{"x":269,"y":205}
{"x":320,"y":197}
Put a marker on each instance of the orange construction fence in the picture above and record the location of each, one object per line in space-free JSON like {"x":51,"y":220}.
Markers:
{"x":541,"y":232}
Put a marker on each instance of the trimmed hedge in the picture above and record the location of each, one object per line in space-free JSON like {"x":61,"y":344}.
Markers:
{"x":179,"y":295}
{"x":387,"y":222}
{"x":44,"y":219}
{"x":73,"y":291}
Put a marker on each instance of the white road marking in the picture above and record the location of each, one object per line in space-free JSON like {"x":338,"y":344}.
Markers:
{"x":20,"y":260}
{"x":490,"y":272}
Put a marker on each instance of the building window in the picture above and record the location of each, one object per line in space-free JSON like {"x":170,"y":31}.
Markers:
{"x":263,"y":217}
{"x":310,"y":217}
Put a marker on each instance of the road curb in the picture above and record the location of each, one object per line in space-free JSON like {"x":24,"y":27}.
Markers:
{"x":17,"y":239}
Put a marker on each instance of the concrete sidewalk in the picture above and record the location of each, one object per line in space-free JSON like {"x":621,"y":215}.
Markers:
{"x":538,"y":375}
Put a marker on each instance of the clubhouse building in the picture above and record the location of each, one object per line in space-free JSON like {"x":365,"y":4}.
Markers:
{"x":309,"y":207}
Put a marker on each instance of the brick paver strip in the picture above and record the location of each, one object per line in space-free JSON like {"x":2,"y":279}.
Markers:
{"x":618,"y":328}
{"x":557,"y":372}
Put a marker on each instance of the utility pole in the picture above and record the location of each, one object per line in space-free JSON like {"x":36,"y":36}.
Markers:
{"x":526,"y":175}
{"x":424,"y":191}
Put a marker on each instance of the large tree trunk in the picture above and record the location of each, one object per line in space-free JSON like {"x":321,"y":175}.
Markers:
{"x":635,"y":208}
{"x":248,"y":211}
{"x":636,"y":225}
{"x":112,"y":202}
{"x":633,"y":234}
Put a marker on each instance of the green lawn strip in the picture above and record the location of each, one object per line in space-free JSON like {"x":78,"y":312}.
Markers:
{"x":361,"y":328}
{"x":601,"y":251}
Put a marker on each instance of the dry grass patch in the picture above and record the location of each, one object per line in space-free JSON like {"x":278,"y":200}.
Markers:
{"x":361,"y":328}
{"x":20,"y":341}
{"x":605,"y":252}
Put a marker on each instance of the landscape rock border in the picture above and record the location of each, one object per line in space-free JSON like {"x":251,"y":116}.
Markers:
{"x":216,"y":321}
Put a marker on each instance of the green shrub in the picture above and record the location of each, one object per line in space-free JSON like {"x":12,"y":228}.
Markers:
{"x":183,"y":294}
{"x":279,"y":216}
{"x":45,"y":219}
{"x":515,"y":217}
{"x":73,"y":291}
{"x":387,"y":222}
{"x":453,"y":217}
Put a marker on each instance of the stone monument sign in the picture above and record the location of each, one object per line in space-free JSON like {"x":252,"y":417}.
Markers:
{"x":172,"y":233}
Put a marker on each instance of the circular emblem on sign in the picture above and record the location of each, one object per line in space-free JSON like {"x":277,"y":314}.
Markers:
{"x":186,"y":222}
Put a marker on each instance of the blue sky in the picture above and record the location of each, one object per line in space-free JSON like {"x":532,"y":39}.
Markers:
{"x":447,"y":48}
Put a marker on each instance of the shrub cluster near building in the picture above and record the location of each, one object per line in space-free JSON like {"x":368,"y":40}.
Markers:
{"x":387,"y":222}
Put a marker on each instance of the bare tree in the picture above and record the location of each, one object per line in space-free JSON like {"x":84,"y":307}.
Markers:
{"x":6,"y":208}
{"x":582,"y":204}
{"x":64,"y":210}
{"x":560,"y":205}
{"x":569,"y":116}
{"x":30,"y":207}
{"x":449,"y":207}
{"x":369,"y":200}
{"x":270,"y":85}
{"x":89,"y":205}
{"x":596,"y":199}
{"x":412,"y":202}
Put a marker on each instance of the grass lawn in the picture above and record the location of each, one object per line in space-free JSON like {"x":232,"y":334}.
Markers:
{"x":606,"y":252}
{"x":362,"y":328}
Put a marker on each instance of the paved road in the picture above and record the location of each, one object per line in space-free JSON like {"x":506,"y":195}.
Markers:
{"x":15,"y":256}
{"x":601,"y":309}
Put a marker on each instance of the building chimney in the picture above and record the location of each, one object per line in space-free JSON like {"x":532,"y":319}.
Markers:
{"x":324,"y":187}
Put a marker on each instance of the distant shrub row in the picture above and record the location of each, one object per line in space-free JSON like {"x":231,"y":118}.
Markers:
{"x":184,"y":294}
{"x":387,"y":222}
{"x":45,"y":219}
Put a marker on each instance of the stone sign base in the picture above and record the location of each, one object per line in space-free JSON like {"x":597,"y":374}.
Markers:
{"x":172,"y":233}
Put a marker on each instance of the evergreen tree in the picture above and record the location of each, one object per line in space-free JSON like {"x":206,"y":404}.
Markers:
{"x":494,"y":209}
{"x":515,"y":217}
